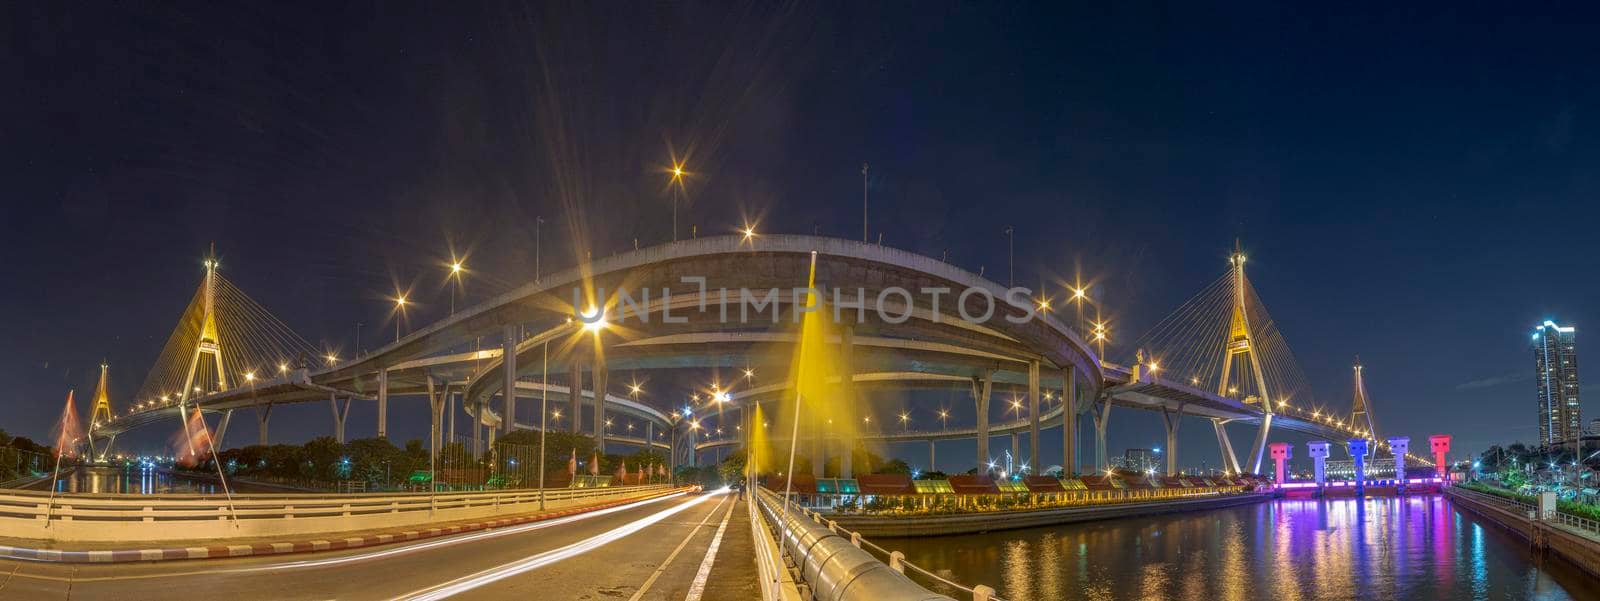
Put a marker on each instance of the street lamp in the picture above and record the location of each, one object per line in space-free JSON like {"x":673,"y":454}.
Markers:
{"x":400,"y":310}
{"x":456,"y":269}
{"x":944,"y":416}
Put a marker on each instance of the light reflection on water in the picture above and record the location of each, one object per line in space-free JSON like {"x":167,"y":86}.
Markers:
{"x":133,"y":480}
{"x":1287,"y":550}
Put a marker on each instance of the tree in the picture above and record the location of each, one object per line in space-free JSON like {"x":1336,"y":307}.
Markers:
{"x":731,"y":469}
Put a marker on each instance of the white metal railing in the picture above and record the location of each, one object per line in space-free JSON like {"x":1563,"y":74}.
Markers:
{"x":180,"y":507}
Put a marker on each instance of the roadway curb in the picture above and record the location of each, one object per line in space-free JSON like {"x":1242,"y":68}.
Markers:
{"x":307,"y":546}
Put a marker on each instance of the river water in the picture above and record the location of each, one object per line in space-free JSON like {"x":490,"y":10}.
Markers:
{"x":1288,"y":550}
{"x":136,"y":480}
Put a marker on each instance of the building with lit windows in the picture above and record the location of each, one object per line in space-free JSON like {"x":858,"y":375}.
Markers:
{"x":1555,"y":360}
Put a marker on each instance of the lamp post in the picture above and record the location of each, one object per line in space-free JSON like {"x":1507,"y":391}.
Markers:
{"x":400,"y":314}
{"x":456,"y":269}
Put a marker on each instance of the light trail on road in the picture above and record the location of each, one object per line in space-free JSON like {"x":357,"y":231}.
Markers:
{"x":532,"y":562}
{"x":372,"y":555}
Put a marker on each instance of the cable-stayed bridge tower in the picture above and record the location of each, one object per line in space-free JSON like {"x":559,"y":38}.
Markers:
{"x":100,"y":413}
{"x":1361,"y":411}
{"x":1223,"y":340}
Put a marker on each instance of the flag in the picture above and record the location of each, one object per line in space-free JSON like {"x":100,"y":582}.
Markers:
{"x":594,"y":464}
{"x":622,"y":471}
{"x":572,"y":464}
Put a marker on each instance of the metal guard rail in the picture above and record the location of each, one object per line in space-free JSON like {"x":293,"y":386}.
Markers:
{"x":146,"y":508}
{"x":835,"y":567}
{"x":1582,"y":524}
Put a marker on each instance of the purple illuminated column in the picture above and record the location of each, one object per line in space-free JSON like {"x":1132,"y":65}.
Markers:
{"x":1280,"y":456}
{"x":1358,"y":452}
{"x":1400,"y":446}
{"x":1319,"y":457}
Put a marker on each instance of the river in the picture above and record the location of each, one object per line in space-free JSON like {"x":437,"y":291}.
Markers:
{"x":1287,"y":550}
{"x":137,"y":480}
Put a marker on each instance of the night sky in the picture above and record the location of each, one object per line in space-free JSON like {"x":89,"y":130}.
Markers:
{"x":1417,"y":186}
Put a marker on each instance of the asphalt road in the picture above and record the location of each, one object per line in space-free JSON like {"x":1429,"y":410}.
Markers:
{"x":654,"y":550}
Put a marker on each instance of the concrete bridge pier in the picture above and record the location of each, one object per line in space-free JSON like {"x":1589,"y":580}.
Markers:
{"x":1172,"y":420}
{"x":1033,"y":415}
{"x":477,"y":432}
{"x":1318,"y":449}
{"x":383,"y":408}
{"x":263,"y":413}
{"x":601,"y":374}
{"x":222,"y":428}
{"x":575,"y":386}
{"x":1230,"y":460}
{"x":1069,"y":421}
{"x":1358,"y":452}
{"x":932,"y":465}
{"x":1016,"y":451}
{"x":1280,"y":460}
{"x":1399,"y":446}
{"x":847,"y":372}
{"x":1102,"y":417}
{"x":981,"y":388}
{"x":508,"y":361}
{"x":340,"y":415}
{"x":1440,"y":443}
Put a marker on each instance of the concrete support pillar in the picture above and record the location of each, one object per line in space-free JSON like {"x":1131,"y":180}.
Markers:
{"x":435,"y":430}
{"x":477,"y":431}
{"x":222,"y":429}
{"x":1016,"y":452}
{"x":694,"y":453}
{"x":1261,"y":443}
{"x":1399,"y":447}
{"x":819,"y":443}
{"x":340,"y":416}
{"x":1440,"y":443}
{"x":1280,"y":459}
{"x":981,"y":388}
{"x":451,"y":411}
{"x":1318,"y":449}
{"x":263,"y":413}
{"x":1230,"y":460}
{"x":1172,"y":420}
{"x":1033,"y":415}
{"x":1358,"y":452}
{"x":508,"y":363}
{"x":1102,"y":418}
{"x":852,"y":396}
{"x":1069,"y":422}
{"x":601,"y":374}
{"x":383,"y":406}
{"x":933,"y":466}
{"x":649,"y":435}
{"x":575,"y":383}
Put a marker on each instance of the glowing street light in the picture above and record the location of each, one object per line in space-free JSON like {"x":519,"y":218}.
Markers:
{"x":457,"y":267}
{"x":593,"y":319}
{"x":944,"y":416}
{"x":400,"y":308}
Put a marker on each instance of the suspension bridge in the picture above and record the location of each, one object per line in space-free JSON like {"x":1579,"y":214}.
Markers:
{"x":1219,"y":357}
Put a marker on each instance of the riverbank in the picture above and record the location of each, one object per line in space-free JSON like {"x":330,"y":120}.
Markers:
{"x":971,"y":523}
{"x":1580,"y":548}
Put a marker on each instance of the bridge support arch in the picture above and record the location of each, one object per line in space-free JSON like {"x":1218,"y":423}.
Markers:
{"x":263,"y":413}
{"x":1102,"y":418}
{"x":1230,"y":460}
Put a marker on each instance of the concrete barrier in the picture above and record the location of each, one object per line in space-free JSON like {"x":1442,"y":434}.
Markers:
{"x":1547,"y":536}
{"x":99,"y":518}
{"x":969,"y":523}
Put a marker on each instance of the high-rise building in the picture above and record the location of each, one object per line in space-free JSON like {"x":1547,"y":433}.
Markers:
{"x":1555,"y":361}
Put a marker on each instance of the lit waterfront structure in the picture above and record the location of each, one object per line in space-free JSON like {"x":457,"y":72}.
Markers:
{"x":1555,"y":362}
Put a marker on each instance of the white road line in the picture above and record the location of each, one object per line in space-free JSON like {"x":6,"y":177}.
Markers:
{"x":648,"y":582}
{"x":698,"y":588}
{"x":532,"y":562}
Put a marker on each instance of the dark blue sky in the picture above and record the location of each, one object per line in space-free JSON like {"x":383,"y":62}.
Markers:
{"x":1415,"y":185}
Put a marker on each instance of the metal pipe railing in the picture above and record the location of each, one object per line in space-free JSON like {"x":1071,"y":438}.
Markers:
{"x":838,"y":565}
